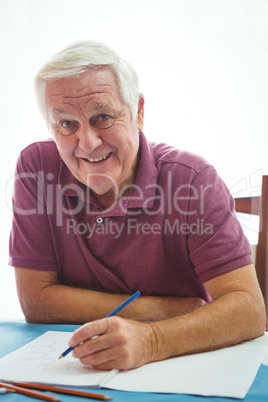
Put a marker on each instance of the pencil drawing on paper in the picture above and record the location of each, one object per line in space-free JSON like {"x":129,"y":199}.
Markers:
{"x":38,"y":362}
{"x":45,"y":357}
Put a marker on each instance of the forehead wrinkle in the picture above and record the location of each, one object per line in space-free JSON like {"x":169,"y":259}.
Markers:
{"x":104,"y":89}
{"x":98,"y":107}
{"x":81,"y":96}
{"x":83,"y":101}
{"x":77,"y":97}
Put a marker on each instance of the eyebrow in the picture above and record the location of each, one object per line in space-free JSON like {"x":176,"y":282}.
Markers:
{"x":97,"y":107}
{"x":100,"y":106}
{"x":60,"y":111}
{"x":105,"y":106}
{"x":109,"y":108}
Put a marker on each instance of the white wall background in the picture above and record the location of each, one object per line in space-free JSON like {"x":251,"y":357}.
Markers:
{"x":203,"y":67}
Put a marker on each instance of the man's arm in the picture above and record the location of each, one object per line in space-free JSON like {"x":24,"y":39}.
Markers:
{"x":44,"y":300}
{"x":236,"y":314}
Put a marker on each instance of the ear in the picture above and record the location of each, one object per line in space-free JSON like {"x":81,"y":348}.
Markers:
{"x":140,"y":114}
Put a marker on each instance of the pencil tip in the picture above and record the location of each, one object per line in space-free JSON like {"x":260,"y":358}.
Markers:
{"x":61,"y":356}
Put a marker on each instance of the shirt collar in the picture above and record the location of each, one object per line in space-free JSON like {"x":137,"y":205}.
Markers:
{"x":143,"y":192}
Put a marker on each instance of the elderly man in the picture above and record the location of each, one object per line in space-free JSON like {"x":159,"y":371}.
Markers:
{"x":100,"y":212}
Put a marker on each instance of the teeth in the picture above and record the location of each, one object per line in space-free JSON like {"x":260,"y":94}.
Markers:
{"x":102,"y":158}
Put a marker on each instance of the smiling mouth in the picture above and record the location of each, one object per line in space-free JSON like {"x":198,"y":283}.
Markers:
{"x":100,"y":159}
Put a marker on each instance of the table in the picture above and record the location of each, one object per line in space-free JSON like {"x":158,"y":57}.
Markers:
{"x":14,"y":335}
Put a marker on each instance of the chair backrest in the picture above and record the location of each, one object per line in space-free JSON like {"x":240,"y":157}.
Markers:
{"x":259,"y":206}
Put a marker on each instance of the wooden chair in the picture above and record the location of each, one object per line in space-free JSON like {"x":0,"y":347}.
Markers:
{"x":259,"y":206}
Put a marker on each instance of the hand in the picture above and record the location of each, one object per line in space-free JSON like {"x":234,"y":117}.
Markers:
{"x":118,"y":343}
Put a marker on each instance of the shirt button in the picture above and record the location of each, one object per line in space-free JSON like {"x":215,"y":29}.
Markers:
{"x":99,"y":220}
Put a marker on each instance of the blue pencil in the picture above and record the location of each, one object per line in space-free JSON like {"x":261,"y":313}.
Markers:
{"x":117,"y":310}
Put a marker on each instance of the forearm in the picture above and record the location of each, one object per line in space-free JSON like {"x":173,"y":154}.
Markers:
{"x":236,"y":314}
{"x":129,"y":344}
{"x":63,"y":304}
{"x":231,"y":319}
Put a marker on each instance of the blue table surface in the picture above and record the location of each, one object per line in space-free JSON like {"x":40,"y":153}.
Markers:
{"x":14,"y":335}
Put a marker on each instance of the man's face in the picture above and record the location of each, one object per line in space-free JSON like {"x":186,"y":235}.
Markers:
{"x":94,"y":131}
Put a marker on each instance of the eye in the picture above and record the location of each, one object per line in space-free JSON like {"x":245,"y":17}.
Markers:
{"x":102,"y":121}
{"x":66,"y":123}
{"x":103,"y":117}
{"x":67,"y":127}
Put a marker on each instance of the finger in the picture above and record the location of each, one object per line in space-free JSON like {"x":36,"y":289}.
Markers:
{"x":106,"y":366}
{"x":91,"y":346}
{"x":119,"y":358}
{"x":104,"y":356}
{"x":87,"y":332}
{"x":109,"y":339}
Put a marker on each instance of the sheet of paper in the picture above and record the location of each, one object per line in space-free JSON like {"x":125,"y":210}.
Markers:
{"x":263,"y":340}
{"x":38,"y":362}
{"x":227,"y":372}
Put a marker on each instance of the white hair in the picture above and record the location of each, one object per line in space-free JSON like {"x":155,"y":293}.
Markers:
{"x":78,"y":58}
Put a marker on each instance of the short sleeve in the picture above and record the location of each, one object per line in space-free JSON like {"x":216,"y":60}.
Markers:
{"x":31,"y":243}
{"x":217,"y":243}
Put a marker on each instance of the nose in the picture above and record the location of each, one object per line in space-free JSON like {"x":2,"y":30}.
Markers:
{"x":88,"y":139}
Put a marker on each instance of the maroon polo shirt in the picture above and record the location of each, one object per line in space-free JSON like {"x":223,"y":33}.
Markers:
{"x":176,"y":229}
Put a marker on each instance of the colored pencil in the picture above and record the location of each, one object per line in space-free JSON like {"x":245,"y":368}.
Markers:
{"x":63,"y":390}
{"x":29,"y":392}
{"x":117,"y":310}
{"x":5,"y":391}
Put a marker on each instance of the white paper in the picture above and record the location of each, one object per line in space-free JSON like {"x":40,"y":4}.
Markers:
{"x":38,"y":362}
{"x":263,"y":340}
{"x":227,"y":372}
{"x":265,"y":360}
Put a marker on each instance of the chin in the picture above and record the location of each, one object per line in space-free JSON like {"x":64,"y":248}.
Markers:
{"x":101,"y":183}
{"x":102,"y":190}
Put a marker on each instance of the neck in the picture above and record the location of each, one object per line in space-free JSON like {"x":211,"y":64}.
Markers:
{"x":111,"y":197}
{"x":108,"y":199}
